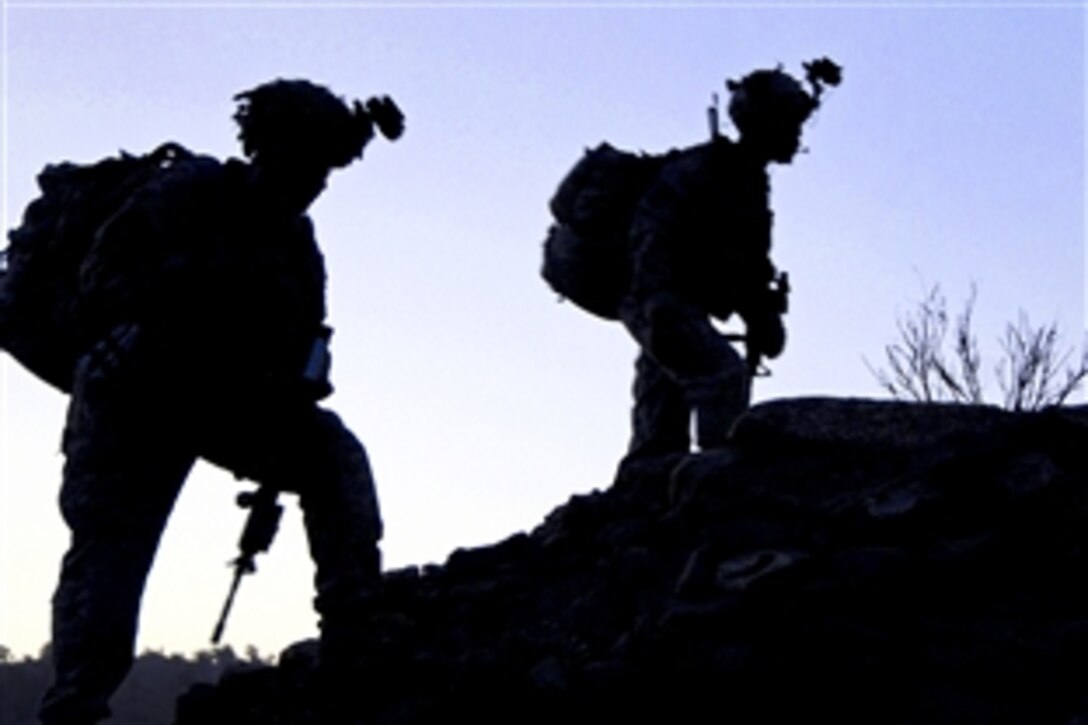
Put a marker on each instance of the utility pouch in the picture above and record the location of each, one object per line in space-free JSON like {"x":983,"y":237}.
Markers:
{"x":315,"y":374}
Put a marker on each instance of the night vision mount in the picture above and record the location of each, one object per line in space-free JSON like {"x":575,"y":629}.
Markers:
{"x":819,"y":73}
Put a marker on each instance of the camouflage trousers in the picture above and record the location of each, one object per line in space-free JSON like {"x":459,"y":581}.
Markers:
{"x":685,"y":366}
{"x":128,"y":449}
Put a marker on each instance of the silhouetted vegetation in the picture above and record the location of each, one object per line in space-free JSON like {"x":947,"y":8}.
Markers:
{"x":147,"y":696}
{"x":1034,"y":371}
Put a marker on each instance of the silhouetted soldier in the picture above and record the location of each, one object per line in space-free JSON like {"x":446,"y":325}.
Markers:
{"x":213,"y":288}
{"x":700,"y":242}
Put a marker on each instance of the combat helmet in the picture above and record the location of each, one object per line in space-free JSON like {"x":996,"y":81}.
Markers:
{"x":773,"y":96}
{"x":300,"y":119}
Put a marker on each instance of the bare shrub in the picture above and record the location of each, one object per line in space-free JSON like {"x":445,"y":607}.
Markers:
{"x":936,"y":359}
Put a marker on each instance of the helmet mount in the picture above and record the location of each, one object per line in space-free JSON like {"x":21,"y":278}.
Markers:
{"x":772,"y":96}
{"x":820,"y":73}
{"x":300,"y":119}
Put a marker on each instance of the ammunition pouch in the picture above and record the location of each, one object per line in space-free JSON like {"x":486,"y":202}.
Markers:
{"x":315,"y":373}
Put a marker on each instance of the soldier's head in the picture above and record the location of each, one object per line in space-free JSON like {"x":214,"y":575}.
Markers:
{"x":770,"y":107}
{"x":295,"y":132}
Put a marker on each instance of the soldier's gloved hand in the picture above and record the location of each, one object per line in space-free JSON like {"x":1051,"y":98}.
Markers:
{"x":766,"y":335}
{"x":112,"y":354}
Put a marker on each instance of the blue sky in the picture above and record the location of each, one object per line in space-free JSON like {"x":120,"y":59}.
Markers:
{"x":953,"y":153}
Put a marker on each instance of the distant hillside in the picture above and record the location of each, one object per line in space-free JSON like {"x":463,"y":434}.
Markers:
{"x":147,"y":696}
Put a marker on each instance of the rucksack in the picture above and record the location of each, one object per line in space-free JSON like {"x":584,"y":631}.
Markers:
{"x":586,"y":252}
{"x":40,"y":324}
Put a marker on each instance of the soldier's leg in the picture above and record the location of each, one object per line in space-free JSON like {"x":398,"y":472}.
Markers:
{"x":718,"y":401}
{"x":328,"y":467}
{"x":301,"y":448}
{"x":343,"y":525}
{"x":661,"y":417}
{"x":340,"y":509}
{"x":703,"y":363}
{"x":120,"y":483}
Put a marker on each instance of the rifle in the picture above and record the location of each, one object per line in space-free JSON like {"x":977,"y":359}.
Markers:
{"x":779,"y":303}
{"x":257,"y":535}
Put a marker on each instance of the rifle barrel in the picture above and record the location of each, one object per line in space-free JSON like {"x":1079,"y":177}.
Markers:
{"x":239,"y":570}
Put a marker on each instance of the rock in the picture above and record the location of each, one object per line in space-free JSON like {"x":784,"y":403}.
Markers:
{"x":843,"y":560}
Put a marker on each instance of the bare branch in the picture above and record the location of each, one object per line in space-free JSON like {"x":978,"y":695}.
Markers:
{"x":1033,"y":372}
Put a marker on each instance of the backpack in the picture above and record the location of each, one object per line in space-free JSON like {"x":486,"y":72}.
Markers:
{"x":586,"y":252}
{"x":39,"y":270}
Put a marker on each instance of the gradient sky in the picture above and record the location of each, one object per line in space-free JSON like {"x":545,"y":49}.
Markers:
{"x":953,"y":154}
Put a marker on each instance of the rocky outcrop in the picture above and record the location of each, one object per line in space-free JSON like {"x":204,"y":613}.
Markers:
{"x":849,"y":560}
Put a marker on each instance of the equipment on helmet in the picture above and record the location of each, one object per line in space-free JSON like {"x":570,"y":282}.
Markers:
{"x":765,"y":96}
{"x":301,"y":119}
